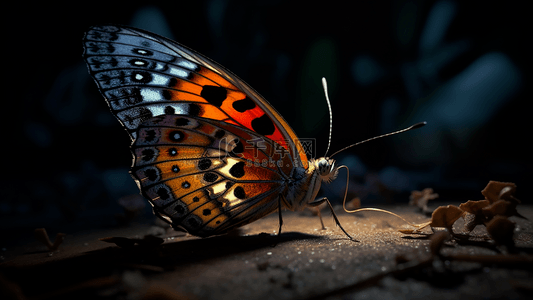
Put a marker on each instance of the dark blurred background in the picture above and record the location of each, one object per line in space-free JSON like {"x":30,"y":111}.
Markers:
{"x":462,"y":66}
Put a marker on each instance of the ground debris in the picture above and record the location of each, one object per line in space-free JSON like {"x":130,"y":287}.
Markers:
{"x":492,"y":212}
{"x":420,"y":199}
{"x":42,"y":236}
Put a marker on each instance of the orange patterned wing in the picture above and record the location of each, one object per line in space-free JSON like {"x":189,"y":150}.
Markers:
{"x":143,"y":75}
{"x":200,"y":175}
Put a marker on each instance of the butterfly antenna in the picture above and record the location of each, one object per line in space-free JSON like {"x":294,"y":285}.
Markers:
{"x":325,"y":85}
{"x":414,"y":126}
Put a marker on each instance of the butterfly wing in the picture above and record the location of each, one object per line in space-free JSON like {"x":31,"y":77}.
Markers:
{"x":200,"y":174}
{"x":143,"y":75}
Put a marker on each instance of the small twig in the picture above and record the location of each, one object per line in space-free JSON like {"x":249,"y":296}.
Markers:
{"x":42,"y":236}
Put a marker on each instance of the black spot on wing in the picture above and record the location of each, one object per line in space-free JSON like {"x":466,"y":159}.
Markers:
{"x":214,"y":94}
{"x":163,"y":193}
{"x":182,"y":122}
{"x":210,"y":177}
{"x":239,"y":192}
{"x":166,"y":94}
{"x":220,"y":133}
{"x":172,"y":151}
{"x":194,"y":222}
{"x":169,"y":110}
{"x":151,"y":174}
{"x":239,"y":148}
{"x":237,"y":170}
{"x":263,"y":125}
{"x":243,"y":105}
{"x":147,"y":154}
{"x":150,"y":135}
{"x":141,"y":77}
{"x":181,"y":208}
{"x":194,"y":109}
{"x":204,"y":164}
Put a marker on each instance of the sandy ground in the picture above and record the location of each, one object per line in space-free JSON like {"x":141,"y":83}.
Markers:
{"x":305,"y":262}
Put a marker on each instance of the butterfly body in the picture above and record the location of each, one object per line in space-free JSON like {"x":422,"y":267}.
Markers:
{"x":210,"y":154}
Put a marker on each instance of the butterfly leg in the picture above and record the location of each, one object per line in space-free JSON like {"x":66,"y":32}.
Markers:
{"x":319,"y":215}
{"x":317,"y":202}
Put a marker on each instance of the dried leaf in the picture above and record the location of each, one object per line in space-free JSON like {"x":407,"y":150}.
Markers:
{"x":474,"y":207}
{"x":437,"y":240}
{"x":501,"y":230}
{"x":421,"y":198}
{"x":445,"y":216}
{"x":471,"y":221}
{"x":500,"y":207}
{"x":507,"y":193}
{"x":493,"y":189}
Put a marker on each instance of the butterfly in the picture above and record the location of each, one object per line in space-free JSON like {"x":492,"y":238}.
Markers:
{"x":209,"y":153}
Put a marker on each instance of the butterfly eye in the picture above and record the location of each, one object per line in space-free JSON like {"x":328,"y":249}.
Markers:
{"x":322,"y":164}
{"x":323,"y":167}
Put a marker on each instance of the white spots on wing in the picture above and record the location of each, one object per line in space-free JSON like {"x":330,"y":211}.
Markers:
{"x":179,"y":108}
{"x":150,"y":95}
{"x":187,"y":64}
{"x":139,"y":76}
{"x":139,"y":63}
{"x":219,"y":188}
{"x":178,"y":72}
{"x":160,"y":80}
{"x":229,"y":198}
{"x":157,"y":110}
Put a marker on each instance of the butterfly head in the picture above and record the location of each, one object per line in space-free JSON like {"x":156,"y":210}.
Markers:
{"x":327,"y":169}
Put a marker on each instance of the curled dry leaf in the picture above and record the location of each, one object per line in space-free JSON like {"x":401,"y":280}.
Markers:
{"x":501,"y":230}
{"x":507,"y":193}
{"x":445,"y":216}
{"x":474,"y":207}
{"x":471,"y":221}
{"x":492,"y":212}
{"x":494,"y":188}
{"x":420,"y":198}
{"x":500,"y":208}
{"x":473,"y":213}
